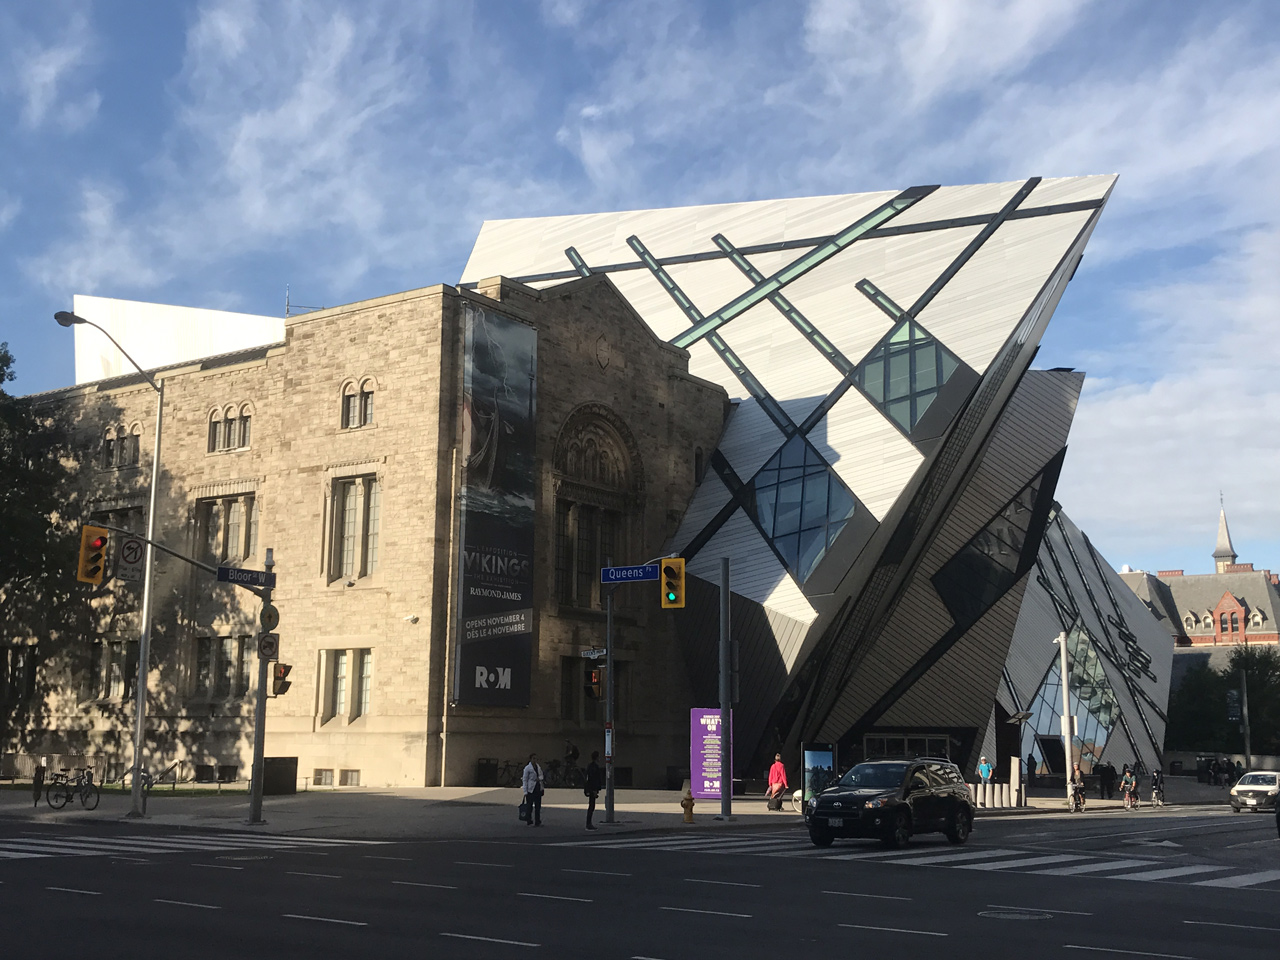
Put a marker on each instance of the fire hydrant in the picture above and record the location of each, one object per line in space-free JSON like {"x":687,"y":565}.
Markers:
{"x":687,"y":803}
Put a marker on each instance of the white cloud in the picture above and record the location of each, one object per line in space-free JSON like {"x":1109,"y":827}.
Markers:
{"x":45,"y":72}
{"x":10,"y":207}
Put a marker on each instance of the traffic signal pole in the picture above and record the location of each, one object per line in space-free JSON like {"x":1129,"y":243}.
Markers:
{"x":260,"y":714}
{"x":609,"y":693}
{"x":726,"y":699}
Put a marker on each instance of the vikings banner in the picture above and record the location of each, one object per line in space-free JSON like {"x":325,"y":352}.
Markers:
{"x":495,"y":626}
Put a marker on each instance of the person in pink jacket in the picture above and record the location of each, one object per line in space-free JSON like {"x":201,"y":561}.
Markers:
{"x":777,"y":778}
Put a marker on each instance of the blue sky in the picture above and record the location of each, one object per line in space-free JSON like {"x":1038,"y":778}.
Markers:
{"x":209,"y":153}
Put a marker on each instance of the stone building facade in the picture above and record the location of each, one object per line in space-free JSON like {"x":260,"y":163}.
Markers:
{"x":339,"y":449}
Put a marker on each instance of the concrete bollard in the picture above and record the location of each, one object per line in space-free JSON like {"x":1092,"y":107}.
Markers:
{"x":1004,"y":795}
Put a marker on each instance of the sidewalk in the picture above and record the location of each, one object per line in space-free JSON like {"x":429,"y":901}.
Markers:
{"x":434,"y":813}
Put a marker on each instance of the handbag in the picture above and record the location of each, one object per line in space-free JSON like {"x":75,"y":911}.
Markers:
{"x":526,"y":809}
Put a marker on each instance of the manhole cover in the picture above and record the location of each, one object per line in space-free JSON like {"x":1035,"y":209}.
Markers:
{"x":1015,"y":915}
{"x":251,"y":857}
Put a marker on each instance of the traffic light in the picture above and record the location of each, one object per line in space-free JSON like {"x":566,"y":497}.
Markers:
{"x":594,"y":685}
{"x":673,"y":583}
{"x":279,"y":678}
{"x":93,"y":555}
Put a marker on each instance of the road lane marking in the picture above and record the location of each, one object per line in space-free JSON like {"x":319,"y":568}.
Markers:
{"x":1006,"y":906}
{"x":945,"y":858}
{"x":551,"y":896}
{"x":714,"y":913}
{"x":1243,"y":880}
{"x":922,"y":933}
{"x":414,"y":883}
{"x":299,"y":873}
{"x":217,"y":866}
{"x":1237,"y":926}
{"x":303,"y":916}
{"x":869,"y":896}
{"x":1093,"y":867}
{"x":185,"y":903}
{"x":405,"y":859}
{"x":87,"y":893}
{"x":723,"y":883}
{"x":1128,"y":953}
{"x":513,"y":943}
{"x":1021,"y":862}
{"x":917,"y":852}
{"x":1167,"y":874}
{"x":477,"y":863}
{"x":598,"y":873}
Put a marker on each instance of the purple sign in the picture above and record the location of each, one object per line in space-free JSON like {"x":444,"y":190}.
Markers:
{"x":708,"y":751}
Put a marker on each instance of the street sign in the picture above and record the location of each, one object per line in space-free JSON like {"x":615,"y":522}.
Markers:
{"x":129,"y":558}
{"x":595,"y":654}
{"x":270,"y":617}
{"x":269,"y":646}
{"x":638,"y":572}
{"x":246,"y":578}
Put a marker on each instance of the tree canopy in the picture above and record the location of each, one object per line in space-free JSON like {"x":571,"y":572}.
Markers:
{"x":1198,"y":709}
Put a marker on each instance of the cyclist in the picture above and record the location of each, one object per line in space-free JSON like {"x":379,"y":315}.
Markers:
{"x":1157,"y":788}
{"x":1077,"y":786}
{"x":1129,"y":788}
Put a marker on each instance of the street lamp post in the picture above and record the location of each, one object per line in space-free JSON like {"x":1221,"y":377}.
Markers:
{"x":67,"y":319}
{"x":1067,"y":718}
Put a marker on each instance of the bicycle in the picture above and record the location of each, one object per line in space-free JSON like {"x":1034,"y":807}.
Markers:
{"x":1131,"y":799}
{"x":511,"y":773}
{"x":63,"y":789}
{"x":1077,"y":798}
{"x":797,"y":801}
{"x":1157,"y":795}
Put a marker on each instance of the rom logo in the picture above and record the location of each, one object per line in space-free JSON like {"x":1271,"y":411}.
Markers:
{"x":499,"y":678}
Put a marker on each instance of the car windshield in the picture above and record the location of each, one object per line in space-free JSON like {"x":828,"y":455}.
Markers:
{"x":1258,"y":780}
{"x":887,"y":775}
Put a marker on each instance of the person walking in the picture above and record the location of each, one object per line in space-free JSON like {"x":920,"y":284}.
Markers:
{"x":533,"y":781}
{"x":595,"y":781}
{"x":1031,"y":769}
{"x":777,"y":783}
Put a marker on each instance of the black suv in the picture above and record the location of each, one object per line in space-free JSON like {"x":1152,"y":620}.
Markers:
{"x":891,"y":800}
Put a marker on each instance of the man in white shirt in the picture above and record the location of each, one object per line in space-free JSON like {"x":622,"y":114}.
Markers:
{"x":533,"y":782}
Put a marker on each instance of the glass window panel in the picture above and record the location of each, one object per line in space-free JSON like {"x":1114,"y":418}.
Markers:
{"x":792,"y":454}
{"x":833,"y":531}
{"x":340,"y":682}
{"x":790,"y":473}
{"x":873,"y":380}
{"x":926,"y":377}
{"x":213,"y":435}
{"x":564,"y":554}
{"x":814,"y":512}
{"x":373,"y":517}
{"x":252,"y":548}
{"x":900,"y":411}
{"x":949,"y":364}
{"x":765,"y":508}
{"x":244,"y":430}
{"x":226,"y":666}
{"x":840,"y":501}
{"x":766,"y":476}
{"x":789,"y":547}
{"x":366,"y":407}
{"x":813,"y":458}
{"x":899,"y":375}
{"x":901,"y":333}
{"x":789,"y":494}
{"x":347,"y":529}
{"x":235,"y":531}
{"x":812,"y":547}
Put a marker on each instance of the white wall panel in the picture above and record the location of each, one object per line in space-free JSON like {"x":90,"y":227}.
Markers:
{"x":1053,"y":190}
{"x":964,"y":200}
{"x":754,"y":572}
{"x":749,"y":439}
{"x":975,"y":313}
{"x":708,"y":500}
{"x":867,"y":452}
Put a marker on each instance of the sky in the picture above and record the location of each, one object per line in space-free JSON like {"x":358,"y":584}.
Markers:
{"x":210,"y":153}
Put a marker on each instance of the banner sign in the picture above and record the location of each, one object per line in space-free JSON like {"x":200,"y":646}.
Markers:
{"x":709,"y":753}
{"x":495,"y":623}
{"x":819,"y":768}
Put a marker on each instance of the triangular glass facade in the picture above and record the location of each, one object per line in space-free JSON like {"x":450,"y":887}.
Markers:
{"x":904,"y":371}
{"x":1093,"y":702}
{"x":800,"y":505}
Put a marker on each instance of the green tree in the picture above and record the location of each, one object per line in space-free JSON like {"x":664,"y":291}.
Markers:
{"x":1261,"y":666}
{"x":1198,"y":709}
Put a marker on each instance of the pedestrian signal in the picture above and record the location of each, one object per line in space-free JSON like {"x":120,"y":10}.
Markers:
{"x":594,"y":685}
{"x":673,"y":583}
{"x":279,"y":682}
{"x":93,"y":555}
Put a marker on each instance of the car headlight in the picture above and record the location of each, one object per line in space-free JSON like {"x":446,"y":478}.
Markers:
{"x":1233,"y":792}
{"x":1273,"y":791}
{"x":877,"y":803}
{"x":813,"y":803}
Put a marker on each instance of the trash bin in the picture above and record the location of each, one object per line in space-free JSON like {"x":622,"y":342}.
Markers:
{"x":487,"y":772}
{"x":279,"y":776}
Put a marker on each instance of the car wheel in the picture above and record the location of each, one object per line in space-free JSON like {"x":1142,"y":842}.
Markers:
{"x":900,"y":833}
{"x":960,"y":827}
{"x":1234,"y":808}
{"x":820,"y":838}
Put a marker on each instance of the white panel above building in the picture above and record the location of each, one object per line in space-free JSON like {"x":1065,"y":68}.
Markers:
{"x":160,"y":335}
{"x":755,"y":572}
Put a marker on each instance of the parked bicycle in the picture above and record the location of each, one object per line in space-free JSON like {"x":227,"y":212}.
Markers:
{"x":63,"y":788}
{"x":510,"y":774}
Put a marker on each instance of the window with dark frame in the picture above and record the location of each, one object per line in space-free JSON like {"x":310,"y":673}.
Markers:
{"x":357,"y":405}
{"x":356,"y":518}
{"x":230,"y":429}
{"x":227,"y":528}
{"x":223,"y":666}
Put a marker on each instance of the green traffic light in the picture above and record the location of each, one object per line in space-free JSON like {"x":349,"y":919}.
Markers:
{"x":670,"y":595}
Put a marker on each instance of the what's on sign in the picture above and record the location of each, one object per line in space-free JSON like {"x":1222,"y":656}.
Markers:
{"x":247,"y":578}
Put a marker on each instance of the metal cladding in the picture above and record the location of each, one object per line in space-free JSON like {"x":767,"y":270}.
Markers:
{"x":887,"y":473}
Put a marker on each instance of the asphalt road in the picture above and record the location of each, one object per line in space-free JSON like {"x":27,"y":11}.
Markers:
{"x":125,"y":889}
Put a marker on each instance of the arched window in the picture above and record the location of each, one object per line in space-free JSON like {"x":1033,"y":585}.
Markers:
{"x":1235,"y":623}
{"x":229,"y":428}
{"x":109,"y":448}
{"x":1188,"y":622}
{"x":215,"y":431}
{"x":1224,"y":624}
{"x":366,"y":403}
{"x":357,"y":404}
{"x":246,"y":415}
{"x":135,"y":445}
{"x":598,"y":480}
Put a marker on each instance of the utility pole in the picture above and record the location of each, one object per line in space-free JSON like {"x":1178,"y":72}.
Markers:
{"x":726,"y":698}
{"x":1066,"y":708}
{"x":269,"y":619}
{"x":1244,"y":702}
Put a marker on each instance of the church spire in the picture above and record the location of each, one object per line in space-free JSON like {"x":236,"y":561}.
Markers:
{"x":1224,"y":553}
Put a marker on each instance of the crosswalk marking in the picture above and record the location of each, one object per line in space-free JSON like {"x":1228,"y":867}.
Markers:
{"x":34,"y":846}
{"x":992,"y":859}
{"x":1168,"y":874}
{"x":1241,"y":880}
{"x":1093,"y":867}
{"x":1020,"y":862}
